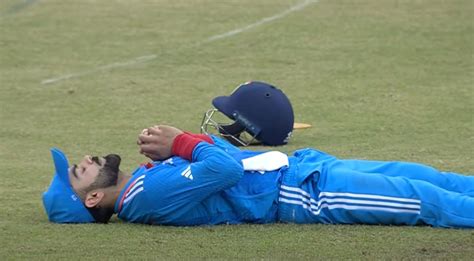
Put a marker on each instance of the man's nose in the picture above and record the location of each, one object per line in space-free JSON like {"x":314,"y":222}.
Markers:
{"x":87,"y":160}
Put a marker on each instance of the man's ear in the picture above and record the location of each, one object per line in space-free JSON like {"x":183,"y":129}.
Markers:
{"x":93,"y":198}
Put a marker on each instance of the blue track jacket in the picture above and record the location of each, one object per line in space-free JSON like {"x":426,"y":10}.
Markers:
{"x":211,"y":189}
{"x":313,"y":187}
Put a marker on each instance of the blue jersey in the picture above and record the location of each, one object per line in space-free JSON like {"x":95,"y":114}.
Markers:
{"x":216,"y":187}
{"x":211,"y":189}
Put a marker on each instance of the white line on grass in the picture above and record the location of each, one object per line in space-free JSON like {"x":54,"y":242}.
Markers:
{"x":147,"y":58}
{"x":134,"y":61}
{"x":261,"y":22}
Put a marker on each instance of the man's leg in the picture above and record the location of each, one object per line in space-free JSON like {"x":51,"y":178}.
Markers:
{"x":373,"y":198}
{"x":447,"y":180}
{"x":345,"y":196}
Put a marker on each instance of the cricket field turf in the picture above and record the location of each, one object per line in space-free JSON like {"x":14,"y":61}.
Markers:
{"x":376,"y":79}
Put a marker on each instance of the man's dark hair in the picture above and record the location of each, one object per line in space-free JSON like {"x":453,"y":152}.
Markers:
{"x":101,"y":215}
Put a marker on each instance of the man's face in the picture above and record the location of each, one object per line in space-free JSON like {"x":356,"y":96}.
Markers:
{"x":94,"y":173}
{"x":82,"y":175}
{"x":91,"y":175}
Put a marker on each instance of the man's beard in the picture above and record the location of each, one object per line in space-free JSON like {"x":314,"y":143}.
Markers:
{"x":111,"y":169}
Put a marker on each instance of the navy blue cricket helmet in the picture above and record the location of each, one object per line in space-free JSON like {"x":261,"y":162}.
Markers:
{"x":260,"y":113}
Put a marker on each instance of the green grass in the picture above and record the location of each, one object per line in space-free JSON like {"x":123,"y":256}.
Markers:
{"x":390,"y":79}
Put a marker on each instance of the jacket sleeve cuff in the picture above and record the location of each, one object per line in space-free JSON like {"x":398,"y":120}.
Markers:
{"x":184,"y":144}
{"x":202,"y":137}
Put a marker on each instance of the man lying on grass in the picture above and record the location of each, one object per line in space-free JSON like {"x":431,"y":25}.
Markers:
{"x":197,"y":179}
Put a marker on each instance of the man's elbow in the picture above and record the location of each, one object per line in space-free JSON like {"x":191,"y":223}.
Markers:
{"x":230,"y":170}
{"x":236,"y":168}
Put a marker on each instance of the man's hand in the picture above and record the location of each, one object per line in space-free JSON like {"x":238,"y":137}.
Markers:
{"x":156,"y":142}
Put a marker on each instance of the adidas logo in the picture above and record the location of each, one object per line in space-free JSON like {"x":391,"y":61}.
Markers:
{"x":187,"y":173}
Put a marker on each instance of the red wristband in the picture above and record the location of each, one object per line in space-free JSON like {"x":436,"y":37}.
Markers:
{"x":183,"y":145}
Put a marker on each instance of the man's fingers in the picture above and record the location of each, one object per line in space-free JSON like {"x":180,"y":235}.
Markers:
{"x":149,"y":155}
{"x":147,"y":138}
{"x":155,"y":130}
{"x":148,"y":148}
